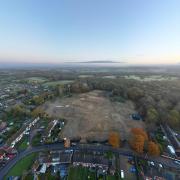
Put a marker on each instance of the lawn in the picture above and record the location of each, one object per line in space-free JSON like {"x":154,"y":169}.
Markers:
{"x":80,"y":173}
{"x":23,"y":165}
{"x":36,"y":139}
{"x":111,"y":177}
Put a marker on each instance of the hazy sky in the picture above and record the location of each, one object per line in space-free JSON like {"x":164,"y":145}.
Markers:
{"x":133,"y":31}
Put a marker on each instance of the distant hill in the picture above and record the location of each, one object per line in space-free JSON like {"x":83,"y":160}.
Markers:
{"x":100,"y":62}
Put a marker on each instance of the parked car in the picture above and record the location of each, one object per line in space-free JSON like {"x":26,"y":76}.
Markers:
{"x":177,"y":162}
{"x":122,"y":174}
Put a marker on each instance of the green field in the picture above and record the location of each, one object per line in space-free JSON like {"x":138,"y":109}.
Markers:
{"x":110,"y":77}
{"x":36,"y":79}
{"x":151,"y":78}
{"x":55,"y":83}
{"x":85,"y":76}
{"x":80,"y":173}
{"x":22,"y":165}
{"x":111,"y":177}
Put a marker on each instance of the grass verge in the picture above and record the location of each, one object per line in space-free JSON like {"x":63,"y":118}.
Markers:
{"x":21,"y":166}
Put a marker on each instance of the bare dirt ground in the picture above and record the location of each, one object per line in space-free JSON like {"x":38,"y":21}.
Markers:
{"x":92,"y":116}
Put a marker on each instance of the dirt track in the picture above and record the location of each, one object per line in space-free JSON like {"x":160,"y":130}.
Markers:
{"x":92,"y":115}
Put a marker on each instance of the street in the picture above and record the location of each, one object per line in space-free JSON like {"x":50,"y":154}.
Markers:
{"x":85,"y":148}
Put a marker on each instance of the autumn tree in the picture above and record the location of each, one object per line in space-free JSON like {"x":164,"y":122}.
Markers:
{"x":139,"y":131}
{"x":137,"y":143}
{"x":138,"y":139}
{"x":114,"y":139}
{"x":153,"y":148}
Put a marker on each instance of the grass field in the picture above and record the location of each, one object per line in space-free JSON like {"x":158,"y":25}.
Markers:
{"x":55,"y":83}
{"x":80,"y":173}
{"x":22,"y":165}
{"x":85,"y":76}
{"x":151,"y":78}
{"x":111,"y":177}
{"x":37,"y":79}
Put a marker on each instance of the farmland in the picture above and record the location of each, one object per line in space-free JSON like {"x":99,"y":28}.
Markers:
{"x":36,"y":79}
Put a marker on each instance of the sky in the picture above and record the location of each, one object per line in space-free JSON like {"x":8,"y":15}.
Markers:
{"x":55,"y":31}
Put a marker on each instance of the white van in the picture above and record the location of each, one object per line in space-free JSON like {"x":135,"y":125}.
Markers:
{"x":122,"y":174}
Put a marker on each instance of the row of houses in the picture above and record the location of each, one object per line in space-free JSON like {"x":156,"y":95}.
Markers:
{"x":58,"y":161}
{"x":24,"y":132}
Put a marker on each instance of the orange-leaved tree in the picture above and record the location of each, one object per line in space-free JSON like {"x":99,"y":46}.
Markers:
{"x":137,"y":143}
{"x":114,"y":139}
{"x":153,"y":148}
{"x":140,"y":131}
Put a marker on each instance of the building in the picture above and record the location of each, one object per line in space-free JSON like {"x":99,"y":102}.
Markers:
{"x":89,"y":159}
{"x":55,"y":157}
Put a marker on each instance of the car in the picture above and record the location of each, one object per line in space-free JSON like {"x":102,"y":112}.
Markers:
{"x":6,"y":158}
{"x":73,"y":144}
{"x":160,"y":165}
{"x":68,"y":151}
{"x":133,"y":169}
{"x":171,"y":150}
{"x":177,"y":162}
{"x":122,"y":174}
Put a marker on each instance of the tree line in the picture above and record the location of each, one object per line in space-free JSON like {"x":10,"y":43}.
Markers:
{"x":156,"y":101}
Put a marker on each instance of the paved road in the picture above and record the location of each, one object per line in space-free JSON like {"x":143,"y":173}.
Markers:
{"x":84,"y":148}
{"x":21,"y":155}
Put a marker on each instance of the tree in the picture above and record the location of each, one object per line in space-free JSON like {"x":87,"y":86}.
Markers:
{"x":174,"y":118}
{"x":37,"y":100}
{"x":138,"y":139}
{"x":38,"y":112}
{"x":153,"y":148}
{"x":114,"y":139}
{"x":152,"y":115}
{"x":135,"y":93}
{"x":137,"y":143}
{"x":18,"y":111}
{"x":79,"y":87}
{"x":139,"y":131}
